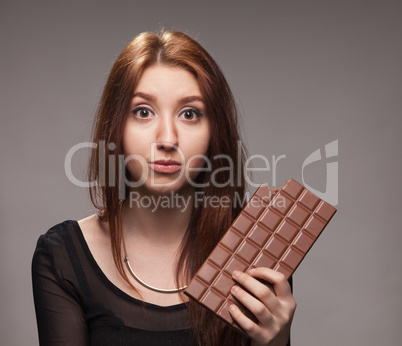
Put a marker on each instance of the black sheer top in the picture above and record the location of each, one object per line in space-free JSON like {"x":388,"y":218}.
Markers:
{"x":76,"y":304}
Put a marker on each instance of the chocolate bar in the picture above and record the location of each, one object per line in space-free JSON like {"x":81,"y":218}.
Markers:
{"x":275,"y":229}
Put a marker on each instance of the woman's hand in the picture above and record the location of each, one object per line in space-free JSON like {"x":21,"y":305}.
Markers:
{"x":273,"y":309}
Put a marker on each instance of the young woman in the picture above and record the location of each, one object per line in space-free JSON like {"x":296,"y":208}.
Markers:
{"x":166,"y":138}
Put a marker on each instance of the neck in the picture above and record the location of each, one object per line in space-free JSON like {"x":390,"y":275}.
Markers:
{"x":158,"y":219}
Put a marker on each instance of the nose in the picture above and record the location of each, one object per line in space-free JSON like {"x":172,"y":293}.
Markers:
{"x":167,"y":136}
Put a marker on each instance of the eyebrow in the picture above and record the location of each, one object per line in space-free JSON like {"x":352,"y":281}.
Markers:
{"x":187,"y":99}
{"x":145,"y":96}
{"x":190,"y":99}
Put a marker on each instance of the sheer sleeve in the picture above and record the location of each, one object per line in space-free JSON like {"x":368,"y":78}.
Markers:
{"x":60,"y":317}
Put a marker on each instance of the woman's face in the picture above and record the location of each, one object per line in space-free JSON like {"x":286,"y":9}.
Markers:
{"x":167,"y":122}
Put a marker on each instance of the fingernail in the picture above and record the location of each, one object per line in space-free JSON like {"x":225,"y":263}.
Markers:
{"x":236,"y":273}
{"x":251,"y":271}
{"x":235,"y":288}
{"x":232,"y":307}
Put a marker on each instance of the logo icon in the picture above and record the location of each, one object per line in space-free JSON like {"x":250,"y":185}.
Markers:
{"x":330,"y":194}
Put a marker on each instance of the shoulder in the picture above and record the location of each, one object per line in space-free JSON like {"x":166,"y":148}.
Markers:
{"x":95,"y":232}
{"x":56,"y":235}
{"x":70,"y":243}
{"x":90,"y":226}
{"x":55,"y":245}
{"x":61,"y":250}
{"x":57,"y":258}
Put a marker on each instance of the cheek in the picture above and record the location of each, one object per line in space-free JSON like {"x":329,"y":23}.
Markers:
{"x":134,"y":140}
{"x":135,"y":149}
{"x":197,"y":143}
{"x":196,"y":153}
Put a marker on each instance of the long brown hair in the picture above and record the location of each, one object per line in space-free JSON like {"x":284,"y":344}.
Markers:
{"x":207,"y":224}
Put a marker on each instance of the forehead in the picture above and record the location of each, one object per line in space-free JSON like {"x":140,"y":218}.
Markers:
{"x":163,"y":79}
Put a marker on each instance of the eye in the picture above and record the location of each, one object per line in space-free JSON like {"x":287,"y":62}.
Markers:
{"x":190,"y":114}
{"x":142,"y":112}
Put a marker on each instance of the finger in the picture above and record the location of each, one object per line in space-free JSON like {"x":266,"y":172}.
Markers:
{"x":260,"y":311}
{"x":252,"y":329}
{"x":258,"y":289}
{"x":282,"y":289}
{"x":277,"y":279}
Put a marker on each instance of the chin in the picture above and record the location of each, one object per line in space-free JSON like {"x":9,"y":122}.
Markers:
{"x":165,"y":187}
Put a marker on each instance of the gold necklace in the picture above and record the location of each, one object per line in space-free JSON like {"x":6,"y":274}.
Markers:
{"x":126,"y":260}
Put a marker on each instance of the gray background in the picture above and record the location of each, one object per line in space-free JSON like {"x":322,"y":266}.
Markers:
{"x":304,"y":73}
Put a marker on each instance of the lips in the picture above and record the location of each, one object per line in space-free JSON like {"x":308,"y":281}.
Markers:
{"x":166,"y":162}
{"x":165,"y":166}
